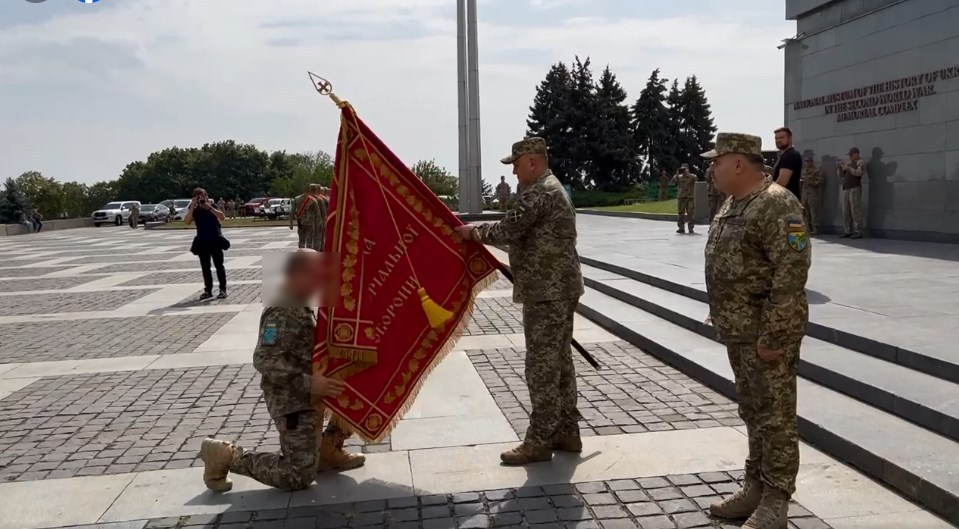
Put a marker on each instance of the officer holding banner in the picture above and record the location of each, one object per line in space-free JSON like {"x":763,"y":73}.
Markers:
{"x":540,"y":230}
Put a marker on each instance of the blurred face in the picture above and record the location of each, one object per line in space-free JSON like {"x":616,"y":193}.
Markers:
{"x":684,"y":168}
{"x":810,"y":164}
{"x":526,"y":169}
{"x":783,"y":140}
{"x":200,"y":194}
{"x":854,"y":156}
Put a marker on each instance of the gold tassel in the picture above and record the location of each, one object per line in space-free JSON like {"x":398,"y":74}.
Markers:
{"x":435,"y":314}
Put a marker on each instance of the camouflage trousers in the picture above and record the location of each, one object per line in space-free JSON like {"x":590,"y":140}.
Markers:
{"x":550,"y":374}
{"x":715,"y":202}
{"x":852,"y":210}
{"x":663,"y":193}
{"x":811,"y":206}
{"x":685,"y":211}
{"x":296,"y":465}
{"x":767,"y":404}
{"x":305,"y":234}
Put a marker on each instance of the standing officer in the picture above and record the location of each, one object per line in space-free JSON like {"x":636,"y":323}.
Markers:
{"x":757,"y":261}
{"x":319,"y":224}
{"x":686,"y":185}
{"x":716,"y":197}
{"x":502,"y":193}
{"x":540,"y":229}
{"x":299,"y":206}
{"x":663,"y":186}
{"x":134,"y":215}
{"x":852,"y":174}
{"x":812,"y":186}
{"x":283,"y":356}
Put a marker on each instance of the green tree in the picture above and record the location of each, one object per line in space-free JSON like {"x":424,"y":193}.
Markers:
{"x":696,"y":124}
{"x":44,"y":194}
{"x":651,"y":127}
{"x":12,"y":202}
{"x":99,"y":194}
{"x":585,"y":130}
{"x":676,"y":154}
{"x":615,"y":161}
{"x":74,"y":199}
{"x":436,"y":177}
{"x":551,"y":118}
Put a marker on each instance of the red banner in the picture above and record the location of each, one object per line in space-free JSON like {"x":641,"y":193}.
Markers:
{"x":407,"y":283}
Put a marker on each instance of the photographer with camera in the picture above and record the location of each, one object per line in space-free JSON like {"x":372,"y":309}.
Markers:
{"x":209,"y":243}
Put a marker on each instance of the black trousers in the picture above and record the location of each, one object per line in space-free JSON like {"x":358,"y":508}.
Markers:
{"x":214,"y":255}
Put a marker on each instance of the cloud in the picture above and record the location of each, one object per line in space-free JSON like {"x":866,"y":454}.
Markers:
{"x":105,"y":90}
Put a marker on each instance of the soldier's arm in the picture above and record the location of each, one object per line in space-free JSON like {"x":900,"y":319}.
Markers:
{"x":786,"y":244}
{"x":279,"y":335}
{"x":515,"y":224}
{"x":856,"y":169}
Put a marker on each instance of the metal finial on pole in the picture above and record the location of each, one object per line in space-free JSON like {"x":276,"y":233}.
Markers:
{"x":325,"y":88}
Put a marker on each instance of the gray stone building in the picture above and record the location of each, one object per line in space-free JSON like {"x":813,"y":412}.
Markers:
{"x":883,"y":76}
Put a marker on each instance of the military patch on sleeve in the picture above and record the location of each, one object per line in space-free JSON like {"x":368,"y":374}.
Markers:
{"x":269,"y":334}
{"x":796,"y":235}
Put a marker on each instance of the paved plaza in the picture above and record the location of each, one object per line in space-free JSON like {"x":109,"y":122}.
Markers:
{"x":111,"y":373}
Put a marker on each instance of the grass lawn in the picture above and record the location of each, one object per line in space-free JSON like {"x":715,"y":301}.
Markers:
{"x":228,"y":223}
{"x":664,"y":207}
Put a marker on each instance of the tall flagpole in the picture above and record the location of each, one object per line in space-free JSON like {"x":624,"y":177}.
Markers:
{"x":461,"y":88}
{"x":473,"y":108}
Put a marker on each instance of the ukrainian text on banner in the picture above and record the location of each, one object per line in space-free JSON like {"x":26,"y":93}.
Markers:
{"x":408,"y":282}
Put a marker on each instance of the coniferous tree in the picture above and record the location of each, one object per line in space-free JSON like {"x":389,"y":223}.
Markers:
{"x":550,"y":118}
{"x":585,"y":124}
{"x":697,"y":123}
{"x":676,"y":154}
{"x":651,"y":126}
{"x":12,"y":202}
{"x":615,"y":161}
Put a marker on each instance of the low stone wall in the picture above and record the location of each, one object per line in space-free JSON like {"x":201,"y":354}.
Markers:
{"x":48,"y":225}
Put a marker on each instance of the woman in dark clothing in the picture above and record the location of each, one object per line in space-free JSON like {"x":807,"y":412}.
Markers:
{"x":209,"y":242}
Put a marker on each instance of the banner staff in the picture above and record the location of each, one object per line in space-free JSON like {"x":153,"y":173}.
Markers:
{"x":435,"y":313}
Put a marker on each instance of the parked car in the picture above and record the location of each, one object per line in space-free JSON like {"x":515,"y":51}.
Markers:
{"x":276,"y":208}
{"x":252,"y":208}
{"x":154,"y":213}
{"x":116,"y":213}
{"x":180,"y":206}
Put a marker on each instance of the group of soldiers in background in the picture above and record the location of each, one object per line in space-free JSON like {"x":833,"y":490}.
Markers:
{"x":309,"y":211}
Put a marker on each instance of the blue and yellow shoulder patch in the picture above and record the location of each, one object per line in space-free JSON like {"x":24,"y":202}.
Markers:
{"x":269,"y":334}
{"x":796,"y":235}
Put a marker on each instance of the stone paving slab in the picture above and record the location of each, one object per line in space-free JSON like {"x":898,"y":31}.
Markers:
{"x":31,"y":271}
{"x":111,"y":423}
{"x":193,"y":264}
{"x":668,"y":502}
{"x":115,"y":257}
{"x":495,"y":316}
{"x":633,"y":392}
{"x":27,"y":304}
{"x":238,"y":294}
{"x":171,"y":278}
{"x":43,"y":283}
{"x":107,"y":337}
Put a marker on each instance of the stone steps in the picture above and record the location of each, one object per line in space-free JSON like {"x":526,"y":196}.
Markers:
{"x":870,"y":433}
{"x":939,"y":367}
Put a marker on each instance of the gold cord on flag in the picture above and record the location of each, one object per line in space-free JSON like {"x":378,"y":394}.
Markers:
{"x":435,"y":314}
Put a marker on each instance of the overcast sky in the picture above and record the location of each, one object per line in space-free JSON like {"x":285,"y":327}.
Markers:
{"x":88,"y":88}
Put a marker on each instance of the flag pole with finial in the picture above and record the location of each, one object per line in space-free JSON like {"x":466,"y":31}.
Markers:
{"x":435,"y":314}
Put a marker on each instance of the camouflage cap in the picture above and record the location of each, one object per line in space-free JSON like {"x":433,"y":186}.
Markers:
{"x":735,"y":142}
{"x":532,"y":145}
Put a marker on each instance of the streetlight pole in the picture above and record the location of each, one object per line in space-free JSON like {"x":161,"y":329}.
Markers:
{"x":476,"y":202}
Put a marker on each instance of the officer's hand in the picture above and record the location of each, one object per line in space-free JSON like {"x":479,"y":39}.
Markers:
{"x":768,"y":354}
{"x":465,"y":231}
{"x":326,"y":387}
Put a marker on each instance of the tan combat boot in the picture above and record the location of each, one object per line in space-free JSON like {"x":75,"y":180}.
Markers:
{"x":334,"y":457}
{"x":741,"y":504}
{"x":567,"y":443}
{"x":217,"y":457}
{"x":525,"y":454}
{"x":772,"y":513}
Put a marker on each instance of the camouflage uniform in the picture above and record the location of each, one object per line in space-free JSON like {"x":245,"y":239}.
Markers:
{"x":319,"y":225}
{"x":540,"y":229}
{"x":757,"y":262}
{"x":716,"y":197}
{"x":852,"y":174}
{"x":663,"y":187}
{"x":812,"y":186}
{"x":686,"y":186}
{"x":502,"y":193}
{"x":134,"y":216}
{"x":302,"y":229}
